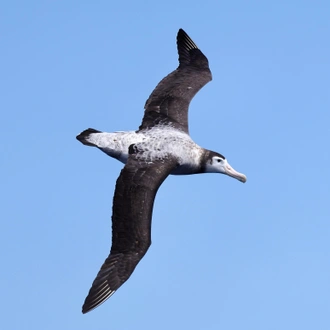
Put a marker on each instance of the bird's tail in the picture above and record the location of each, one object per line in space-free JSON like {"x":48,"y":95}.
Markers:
{"x":85,"y":137}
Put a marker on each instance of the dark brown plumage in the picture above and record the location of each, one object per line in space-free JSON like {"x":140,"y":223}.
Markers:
{"x":171,"y":97}
{"x":136,"y":185}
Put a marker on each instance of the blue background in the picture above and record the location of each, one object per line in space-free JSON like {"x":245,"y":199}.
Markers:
{"x":224,"y":255}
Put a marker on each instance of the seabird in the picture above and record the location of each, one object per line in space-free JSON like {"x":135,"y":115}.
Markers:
{"x":161,"y":146}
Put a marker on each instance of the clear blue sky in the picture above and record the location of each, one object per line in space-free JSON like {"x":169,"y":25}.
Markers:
{"x":225,"y":255}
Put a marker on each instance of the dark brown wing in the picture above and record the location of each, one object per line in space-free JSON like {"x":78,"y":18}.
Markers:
{"x":169,"y":101}
{"x":133,"y":202}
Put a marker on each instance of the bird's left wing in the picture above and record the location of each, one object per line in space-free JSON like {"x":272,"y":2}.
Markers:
{"x":169,"y":101}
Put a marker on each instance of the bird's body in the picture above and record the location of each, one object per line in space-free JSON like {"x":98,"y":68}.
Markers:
{"x":160,"y":147}
{"x":157,"y":143}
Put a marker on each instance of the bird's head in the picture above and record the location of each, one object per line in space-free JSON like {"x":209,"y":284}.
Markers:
{"x":216,"y":163}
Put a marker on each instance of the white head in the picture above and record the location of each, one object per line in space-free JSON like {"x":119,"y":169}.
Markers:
{"x":216,"y":163}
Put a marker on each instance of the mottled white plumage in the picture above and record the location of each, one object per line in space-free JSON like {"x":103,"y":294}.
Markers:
{"x":156,"y":143}
{"x":115,"y":144}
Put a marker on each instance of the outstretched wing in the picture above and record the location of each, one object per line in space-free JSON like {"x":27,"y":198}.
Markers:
{"x":169,"y":101}
{"x":133,"y":202}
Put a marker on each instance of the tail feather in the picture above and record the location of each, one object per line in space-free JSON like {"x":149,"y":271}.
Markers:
{"x":83,"y":136}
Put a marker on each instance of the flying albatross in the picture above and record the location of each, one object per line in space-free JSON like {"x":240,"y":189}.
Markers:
{"x":161,"y":146}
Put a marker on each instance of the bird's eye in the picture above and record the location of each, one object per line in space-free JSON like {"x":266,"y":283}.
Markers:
{"x":219,"y":160}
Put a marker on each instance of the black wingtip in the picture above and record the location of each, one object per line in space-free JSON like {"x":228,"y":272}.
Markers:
{"x":183,"y":38}
{"x":90,"y":304}
{"x":189,"y":53}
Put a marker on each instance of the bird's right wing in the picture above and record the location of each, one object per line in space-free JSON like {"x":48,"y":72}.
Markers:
{"x":133,"y":202}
